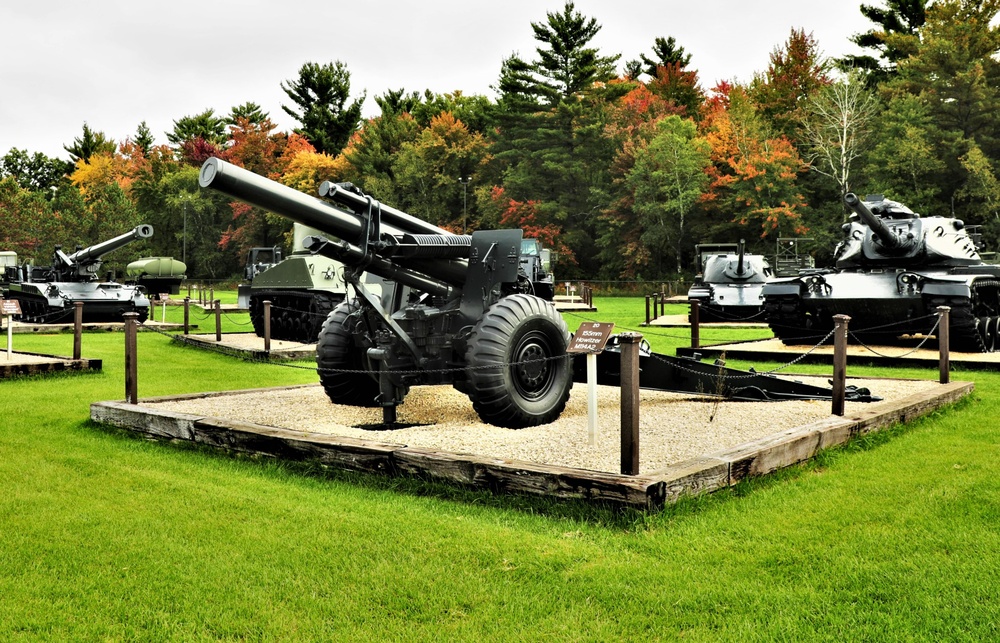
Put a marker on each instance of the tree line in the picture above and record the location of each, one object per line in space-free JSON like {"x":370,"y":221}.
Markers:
{"x":619,"y":166}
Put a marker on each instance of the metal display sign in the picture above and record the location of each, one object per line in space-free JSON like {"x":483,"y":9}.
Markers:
{"x":10,"y":307}
{"x":590,"y":338}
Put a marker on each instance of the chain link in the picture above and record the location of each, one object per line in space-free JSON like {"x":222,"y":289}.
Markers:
{"x":909,"y":352}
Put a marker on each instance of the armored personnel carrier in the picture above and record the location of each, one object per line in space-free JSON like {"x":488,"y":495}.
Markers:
{"x":893,"y":269}
{"x":47,"y":293}
{"x":303,"y":289}
{"x":730,"y":286}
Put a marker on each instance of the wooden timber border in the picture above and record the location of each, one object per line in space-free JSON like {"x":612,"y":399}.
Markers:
{"x":59,"y":364}
{"x":652,"y":490}
{"x":207,"y":342}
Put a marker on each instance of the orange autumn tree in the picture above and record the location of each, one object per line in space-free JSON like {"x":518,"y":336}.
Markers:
{"x":511,"y":213}
{"x":255,"y":145}
{"x":631,"y":125}
{"x":104,"y":181}
{"x":753,"y":175}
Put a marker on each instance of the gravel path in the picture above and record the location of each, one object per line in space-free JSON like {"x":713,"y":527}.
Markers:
{"x":673,"y":427}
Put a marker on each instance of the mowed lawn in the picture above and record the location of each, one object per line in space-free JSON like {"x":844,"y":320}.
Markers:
{"x":105,"y":536}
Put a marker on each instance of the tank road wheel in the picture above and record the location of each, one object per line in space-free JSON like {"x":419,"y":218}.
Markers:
{"x":337,"y":352}
{"x":988,"y":332}
{"x":514,"y":381}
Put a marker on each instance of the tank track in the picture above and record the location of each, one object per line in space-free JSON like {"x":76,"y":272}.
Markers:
{"x":792,"y":323}
{"x":974,"y":321}
{"x":296,"y":316}
{"x":36,"y":310}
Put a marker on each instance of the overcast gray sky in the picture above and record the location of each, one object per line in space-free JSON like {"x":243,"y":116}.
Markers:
{"x":115,"y":63}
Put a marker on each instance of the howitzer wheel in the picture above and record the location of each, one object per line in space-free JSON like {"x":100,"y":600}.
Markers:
{"x":519,"y":373}
{"x":337,"y":352}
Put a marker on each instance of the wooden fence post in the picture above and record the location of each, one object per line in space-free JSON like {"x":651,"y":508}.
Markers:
{"x":630,"y":402}
{"x":187,"y":315}
{"x":839,"y":362}
{"x":267,"y":327}
{"x":944,"y":341}
{"x":695,"y":323}
{"x":131,"y":359}
{"x":218,"y":320}
{"x":77,"y":329}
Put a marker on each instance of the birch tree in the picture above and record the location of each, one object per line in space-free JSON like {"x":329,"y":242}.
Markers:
{"x":838,"y":126}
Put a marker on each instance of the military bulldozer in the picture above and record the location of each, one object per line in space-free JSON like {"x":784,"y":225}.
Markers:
{"x":47,"y":293}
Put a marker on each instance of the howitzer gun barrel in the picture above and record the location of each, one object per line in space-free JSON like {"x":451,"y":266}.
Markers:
{"x":884,"y":233}
{"x":441,"y":266}
{"x":96,"y":251}
{"x":361,"y":205}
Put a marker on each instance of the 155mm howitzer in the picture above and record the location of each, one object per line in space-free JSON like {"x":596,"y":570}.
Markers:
{"x":436,"y":308}
{"x":47,"y":293}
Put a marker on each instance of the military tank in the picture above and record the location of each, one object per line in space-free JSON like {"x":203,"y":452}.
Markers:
{"x":303,"y":289}
{"x":47,"y":293}
{"x":894,"y":268}
{"x":730,"y":286}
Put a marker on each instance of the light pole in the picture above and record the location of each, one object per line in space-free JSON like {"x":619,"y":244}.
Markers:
{"x":184,"y":243}
{"x":464,"y":180}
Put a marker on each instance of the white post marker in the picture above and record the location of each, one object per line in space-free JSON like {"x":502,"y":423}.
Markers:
{"x":9,"y":308}
{"x":592,"y":398}
{"x":590,"y":338}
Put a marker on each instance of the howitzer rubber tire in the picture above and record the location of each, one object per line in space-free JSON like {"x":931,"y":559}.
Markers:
{"x":519,"y":375}
{"x":337,"y":352}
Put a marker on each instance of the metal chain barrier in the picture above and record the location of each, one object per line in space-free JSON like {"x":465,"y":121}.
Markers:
{"x":226,"y":350}
{"x":756,"y":374}
{"x":909,"y":352}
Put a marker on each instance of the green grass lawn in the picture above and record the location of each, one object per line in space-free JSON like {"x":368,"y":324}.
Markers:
{"x":104,"y":536}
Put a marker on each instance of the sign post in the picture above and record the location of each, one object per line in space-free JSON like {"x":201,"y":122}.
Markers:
{"x":590,"y":338}
{"x":9,"y":308}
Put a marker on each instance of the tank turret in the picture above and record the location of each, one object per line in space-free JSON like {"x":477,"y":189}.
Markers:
{"x":888,"y":234}
{"x":729,"y":287}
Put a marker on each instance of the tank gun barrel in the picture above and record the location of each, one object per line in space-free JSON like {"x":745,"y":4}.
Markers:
{"x":739,"y":265}
{"x":885,"y":235}
{"x":421,"y":247}
{"x":94,"y":253}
